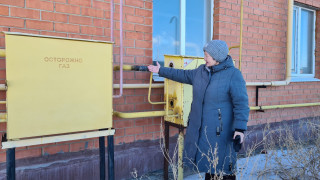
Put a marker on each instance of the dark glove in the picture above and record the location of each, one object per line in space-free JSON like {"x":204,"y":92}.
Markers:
{"x":236,"y":143}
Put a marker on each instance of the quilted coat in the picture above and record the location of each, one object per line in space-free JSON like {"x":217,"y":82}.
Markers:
{"x":219,"y":106}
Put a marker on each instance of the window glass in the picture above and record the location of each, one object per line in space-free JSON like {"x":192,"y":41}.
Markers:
{"x":165,"y":28}
{"x":293,"y":64}
{"x":303,"y":42}
{"x":195,"y":28}
{"x":174,"y":35}
{"x":306,"y":42}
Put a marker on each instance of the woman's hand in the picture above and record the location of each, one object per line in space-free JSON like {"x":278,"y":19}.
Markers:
{"x":240,"y":134}
{"x":154,"y":69}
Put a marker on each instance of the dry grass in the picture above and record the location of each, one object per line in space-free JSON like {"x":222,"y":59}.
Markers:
{"x":291,"y":152}
{"x":171,"y":159}
{"x":298,"y":155}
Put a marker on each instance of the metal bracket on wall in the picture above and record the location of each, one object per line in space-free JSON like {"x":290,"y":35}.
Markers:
{"x":257,"y":96}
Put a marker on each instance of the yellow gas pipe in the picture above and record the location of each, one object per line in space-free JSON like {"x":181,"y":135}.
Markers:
{"x":3,"y":117}
{"x":180,"y":155}
{"x":149,"y":92}
{"x":2,"y":53}
{"x":125,"y":67}
{"x":140,"y":114}
{"x":232,"y":47}
{"x":284,"y":106}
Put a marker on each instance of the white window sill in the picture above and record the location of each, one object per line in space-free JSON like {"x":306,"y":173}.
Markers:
{"x":304,"y":79}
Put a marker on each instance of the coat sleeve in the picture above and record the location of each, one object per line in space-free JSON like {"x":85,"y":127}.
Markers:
{"x":179,"y":75}
{"x":240,"y":101}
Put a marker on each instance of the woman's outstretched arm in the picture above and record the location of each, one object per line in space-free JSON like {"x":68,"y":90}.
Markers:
{"x":179,"y":75}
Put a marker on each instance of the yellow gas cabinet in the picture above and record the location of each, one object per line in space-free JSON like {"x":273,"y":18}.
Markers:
{"x":57,"y":85}
{"x":178,"y":95}
{"x":58,"y":89}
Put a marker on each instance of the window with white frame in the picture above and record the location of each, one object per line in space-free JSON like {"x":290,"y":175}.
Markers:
{"x":181,"y":27}
{"x":303,"y":43}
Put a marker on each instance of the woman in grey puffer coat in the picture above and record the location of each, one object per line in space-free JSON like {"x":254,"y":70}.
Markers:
{"x":219,"y":110}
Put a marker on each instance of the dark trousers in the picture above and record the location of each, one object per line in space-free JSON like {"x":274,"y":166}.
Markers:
{"x":227,"y":177}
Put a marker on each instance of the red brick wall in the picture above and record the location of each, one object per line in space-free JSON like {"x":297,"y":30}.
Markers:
{"x":90,"y":19}
{"x":264,"y":56}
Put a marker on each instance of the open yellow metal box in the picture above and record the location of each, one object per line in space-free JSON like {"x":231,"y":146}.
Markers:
{"x":180,"y":95}
{"x":57,"y":85}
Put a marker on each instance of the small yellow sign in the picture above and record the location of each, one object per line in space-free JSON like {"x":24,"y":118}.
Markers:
{"x":57,"y":85}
